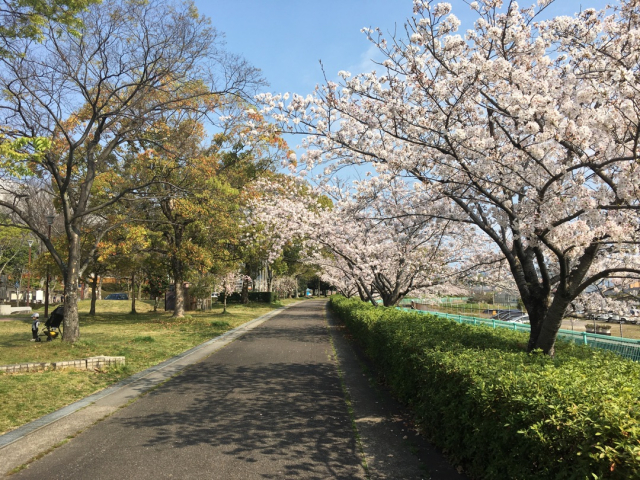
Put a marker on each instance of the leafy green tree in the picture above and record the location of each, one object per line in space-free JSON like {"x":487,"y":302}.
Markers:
{"x":97,"y":93}
{"x":198,"y":207}
{"x":14,"y":255}
{"x":157,"y":272}
{"x":28,"y":19}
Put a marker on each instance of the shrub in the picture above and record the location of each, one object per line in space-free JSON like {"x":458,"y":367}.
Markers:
{"x":500,"y":412}
{"x":265,"y":297}
{"x":219,"y":324}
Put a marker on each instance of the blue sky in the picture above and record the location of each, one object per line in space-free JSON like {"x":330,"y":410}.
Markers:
{"x":287,"y":38}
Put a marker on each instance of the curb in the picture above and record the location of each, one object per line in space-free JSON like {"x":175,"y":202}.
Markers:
{"x":132,"y":387}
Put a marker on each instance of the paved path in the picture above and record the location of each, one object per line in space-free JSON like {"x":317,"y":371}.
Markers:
{"x":268,"y":405}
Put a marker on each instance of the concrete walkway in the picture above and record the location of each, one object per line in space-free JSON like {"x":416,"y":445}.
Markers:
{"x":271,"y":404}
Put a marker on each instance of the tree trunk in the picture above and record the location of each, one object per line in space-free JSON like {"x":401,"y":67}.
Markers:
{"x":245,"y":291}
{"x":133,"y":296}
{"x":178,"y":310}
{"x":94,"y":296}
{"x":368,"y":294}
{"x":139,"y":290}
{"x":99,"y":287}
{"x":71,"y":321}
{"x":536,"y":313}
{"x":552,"y":323}
{"x":269,"y":278}
{"x":391,"y":300}
{"x":177,"y":266}
{"x":19,"y":289}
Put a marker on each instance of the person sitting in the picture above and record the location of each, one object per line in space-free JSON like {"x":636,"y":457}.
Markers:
{"x":35,"y":326}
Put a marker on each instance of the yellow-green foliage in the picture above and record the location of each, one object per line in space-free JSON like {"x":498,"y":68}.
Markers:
{"x":500,"y":412}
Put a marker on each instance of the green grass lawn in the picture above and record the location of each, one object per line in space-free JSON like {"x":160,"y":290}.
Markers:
{"x":145,"y":339}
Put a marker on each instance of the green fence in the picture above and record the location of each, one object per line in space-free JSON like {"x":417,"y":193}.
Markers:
{"x":625,"y":347}
{"x":440,"y":300}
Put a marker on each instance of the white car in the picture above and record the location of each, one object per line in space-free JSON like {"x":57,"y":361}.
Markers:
{"x":522,"y":319}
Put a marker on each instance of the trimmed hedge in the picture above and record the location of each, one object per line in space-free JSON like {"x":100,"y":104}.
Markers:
{"x":265,"y":297}
{"x":498,"y":411}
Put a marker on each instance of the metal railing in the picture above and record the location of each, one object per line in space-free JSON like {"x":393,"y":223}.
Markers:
{"x":625,"y":347}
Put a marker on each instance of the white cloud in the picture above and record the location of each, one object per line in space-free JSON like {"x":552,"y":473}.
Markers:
{"x":367,"y":61}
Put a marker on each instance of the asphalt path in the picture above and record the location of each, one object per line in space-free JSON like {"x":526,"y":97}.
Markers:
{"x":269,"y":405}
{"x":290,"y":398}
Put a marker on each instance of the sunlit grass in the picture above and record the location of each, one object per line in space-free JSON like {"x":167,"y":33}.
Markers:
{"x":145,"y":339}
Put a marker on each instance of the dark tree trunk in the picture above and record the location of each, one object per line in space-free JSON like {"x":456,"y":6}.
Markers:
{"x":552,"y":323}
{"x":177,"y":266}
{"x":367,"y":292}
{"x":94,"y":295}
{"x":245,"y":291}
{"x":537,"y":310}
{"x":133,"y":291}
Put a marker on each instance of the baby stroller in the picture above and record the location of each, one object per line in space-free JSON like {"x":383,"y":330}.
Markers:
{"x":52,"y":325}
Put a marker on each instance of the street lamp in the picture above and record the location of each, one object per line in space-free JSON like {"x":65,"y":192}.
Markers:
{"x":30,"y":242}
{"x":50,"y":219}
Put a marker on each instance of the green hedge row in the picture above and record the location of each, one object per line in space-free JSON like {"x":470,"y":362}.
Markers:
{"x":498,"y":411}
{"x":266,"y":297}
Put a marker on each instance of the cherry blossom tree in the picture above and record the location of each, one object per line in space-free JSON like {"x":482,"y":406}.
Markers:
{"x":285,"y":286}
{"x":227,"y":284}
{"x":371,"y":240}
{"x":530,"y":129}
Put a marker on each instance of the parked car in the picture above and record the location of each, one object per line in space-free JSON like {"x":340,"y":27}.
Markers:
{"x":613,"y":318}
{"x":522,"y":319}
{"x":117,"y":296}
{"x":512,"y":316}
